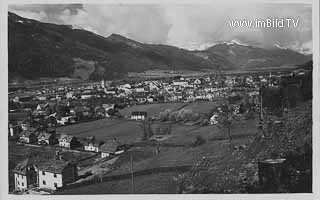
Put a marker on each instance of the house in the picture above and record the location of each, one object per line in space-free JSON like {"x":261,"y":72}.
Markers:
{"x":111,"y":147}
{"x":180,"y":83}
{"x":138,"y":115}
{"x":138,"y":90}
{"x":69,"y":95}
{"x":99,"y":111}
{"x":47,"y":138}
{"x":25,"y":175}
{"x":197,"y":82}
{"x":214,"y":119}
{"x":150,"y":99}
{"x":65,"y":120}
{"x":28,"y":136}
{"x":68,"y":141}
{"x":42,"y":107}
{"x":56,"y":173}
{"x":92,"y":145}
{"x":107,"y":107}
{"x":14,"y":130}
{"x":25,"y":125}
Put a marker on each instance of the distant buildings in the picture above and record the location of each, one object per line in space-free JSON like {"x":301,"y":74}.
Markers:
{"x":139,"y":115}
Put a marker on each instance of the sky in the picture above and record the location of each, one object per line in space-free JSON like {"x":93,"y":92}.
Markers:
{"x":189,"y":26}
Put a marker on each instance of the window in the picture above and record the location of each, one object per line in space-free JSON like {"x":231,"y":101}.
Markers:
{"x":55,"y":175}
{"x":22,"y":184}
{"x":55,"y":185}
{"x":43,"y":173}
{"x":44,"y":182}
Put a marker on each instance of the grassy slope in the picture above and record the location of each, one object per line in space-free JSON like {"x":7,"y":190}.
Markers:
{"x":145,"y":157}
{"x":225,"y":168}
{"x":152,"y":109}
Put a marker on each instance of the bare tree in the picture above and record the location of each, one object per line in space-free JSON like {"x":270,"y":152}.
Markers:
{"x":226,"y":119}
{"x":146,"y":130}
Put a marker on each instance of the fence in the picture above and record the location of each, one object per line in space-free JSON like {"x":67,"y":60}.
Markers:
{"x":117,"y":177}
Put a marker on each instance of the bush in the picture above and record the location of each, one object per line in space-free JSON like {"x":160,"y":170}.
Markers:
{"x":199,"y":141}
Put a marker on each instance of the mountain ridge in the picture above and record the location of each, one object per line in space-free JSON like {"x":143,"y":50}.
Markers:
{"x":37,"y":49}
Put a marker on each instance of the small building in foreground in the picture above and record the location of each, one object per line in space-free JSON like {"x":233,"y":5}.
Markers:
{"x":56,"y":173}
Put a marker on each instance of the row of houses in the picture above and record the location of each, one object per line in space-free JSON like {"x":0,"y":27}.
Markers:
{"x":107,"y":148}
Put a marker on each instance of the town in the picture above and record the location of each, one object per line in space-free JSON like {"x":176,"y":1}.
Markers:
{"x":66,"y":136}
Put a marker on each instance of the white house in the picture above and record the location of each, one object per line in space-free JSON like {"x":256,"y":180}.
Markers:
{"x":214,"y":119}
{"x":180,"y":83}
{"x":56,"y":173}
{"x":67,"y":141}
{"x":92,"y":146}
{"x":138,"y":115}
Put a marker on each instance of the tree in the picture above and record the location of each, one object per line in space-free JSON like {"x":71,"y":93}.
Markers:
{"x":164,"y":116}
{"x":226,"y":118}
{"x":199,"y":141}
{"x":146,"y":130}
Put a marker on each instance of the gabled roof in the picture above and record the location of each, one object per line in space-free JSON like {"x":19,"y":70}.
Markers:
{"x":87,"y":142}
{"x":22,"y":167}
{"x":139,"y":113}
{"x":55,"y":166}
{"x":68,"y":138}
{"x":27,"y":133}
{"x":110,"y":146}
{"x":44,"y":135}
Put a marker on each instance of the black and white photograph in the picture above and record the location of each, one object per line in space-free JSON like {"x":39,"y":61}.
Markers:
{"x":160,"y":98}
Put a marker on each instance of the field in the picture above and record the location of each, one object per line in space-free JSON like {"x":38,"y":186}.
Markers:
{"x":127,"y":131}
{"x":177,"y":150}
{"x":216,"y":147}
{"x":161,"y":184}
{"x":106,"y":129}
{"x":202,"y":106}
{"x":152,"y":109}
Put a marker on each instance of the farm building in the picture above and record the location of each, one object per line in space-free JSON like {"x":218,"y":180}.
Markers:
{"x":25,"y":175}
{"x":111,"y":147}
{"x":138,"y":115}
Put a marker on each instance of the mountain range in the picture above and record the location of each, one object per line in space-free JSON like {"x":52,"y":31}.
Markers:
{"x":37,"y":49}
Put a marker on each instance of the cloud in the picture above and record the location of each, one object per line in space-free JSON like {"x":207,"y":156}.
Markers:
{"x":183,"y":25}
{"x":45,"y":12}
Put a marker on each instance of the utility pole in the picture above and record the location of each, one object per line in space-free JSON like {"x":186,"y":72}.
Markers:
{"x":132,"y":180}
{"x":261,"y":108}
{"x":261,"y":103}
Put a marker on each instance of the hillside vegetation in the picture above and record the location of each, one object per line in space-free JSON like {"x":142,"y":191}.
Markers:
{"x":39,"y":49}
